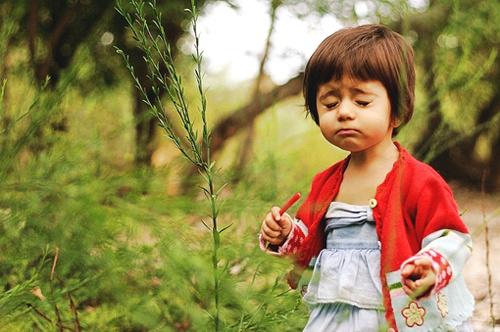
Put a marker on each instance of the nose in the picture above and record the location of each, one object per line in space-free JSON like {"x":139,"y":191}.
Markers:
{"x":346,"y":111}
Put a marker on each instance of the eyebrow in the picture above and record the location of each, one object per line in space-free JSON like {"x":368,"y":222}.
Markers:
{"x":331,"y":92}
{"x":361,"y":91}
{"x":336,"y":92}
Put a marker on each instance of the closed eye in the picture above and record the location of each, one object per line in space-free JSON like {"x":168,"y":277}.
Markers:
{"x":332,"y":105}
{"x":363,"y":103}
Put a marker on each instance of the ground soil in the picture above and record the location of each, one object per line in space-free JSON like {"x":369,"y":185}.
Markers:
{"x":478,"y":208}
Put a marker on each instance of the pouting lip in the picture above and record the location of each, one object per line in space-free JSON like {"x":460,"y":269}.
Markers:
{"x":347,"y":131}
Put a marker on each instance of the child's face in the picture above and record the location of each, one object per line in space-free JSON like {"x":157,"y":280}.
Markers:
{"x":354,"y":115}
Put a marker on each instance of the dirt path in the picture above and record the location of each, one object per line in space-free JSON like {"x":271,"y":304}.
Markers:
{"x":479,"y":207}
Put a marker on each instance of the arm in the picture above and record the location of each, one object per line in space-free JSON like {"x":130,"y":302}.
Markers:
{"x":443,"y":237}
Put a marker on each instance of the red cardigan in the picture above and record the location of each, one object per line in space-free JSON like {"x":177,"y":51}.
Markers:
{"x":412,"y":203}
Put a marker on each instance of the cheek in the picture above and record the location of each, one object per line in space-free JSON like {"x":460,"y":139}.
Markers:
{"x":327,"y":127}
{"x":378,"y":125}
{"x":324,"y":121}
{"x":324,"y":130}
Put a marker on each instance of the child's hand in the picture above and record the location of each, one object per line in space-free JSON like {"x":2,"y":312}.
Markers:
{"x":275,"y":227}
{"x":418,"y":278}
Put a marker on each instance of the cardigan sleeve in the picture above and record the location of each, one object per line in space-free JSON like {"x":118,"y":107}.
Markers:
{"x":436,"y":209}
{"x":443,"y":237}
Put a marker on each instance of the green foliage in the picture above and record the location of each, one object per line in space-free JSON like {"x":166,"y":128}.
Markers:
{"x":460,"y":55}
{"x":89,"y":246}
{"x":129,"y":256}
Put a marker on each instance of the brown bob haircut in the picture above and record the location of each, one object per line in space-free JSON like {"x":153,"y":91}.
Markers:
{"x":366,"y":53}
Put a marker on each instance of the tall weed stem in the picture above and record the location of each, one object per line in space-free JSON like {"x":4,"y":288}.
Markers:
{"x":487,"y":255}
{"x":152,"y":40}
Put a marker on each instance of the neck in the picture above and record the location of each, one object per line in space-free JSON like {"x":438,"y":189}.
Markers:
{"x":384,"y":152}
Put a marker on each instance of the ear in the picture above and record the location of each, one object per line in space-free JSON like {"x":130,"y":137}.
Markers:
{"x":395,"y":122}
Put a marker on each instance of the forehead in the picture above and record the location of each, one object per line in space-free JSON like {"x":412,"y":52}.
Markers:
{"x":352,"y":86}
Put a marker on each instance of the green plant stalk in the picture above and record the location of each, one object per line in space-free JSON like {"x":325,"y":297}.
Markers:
{"x":30,"y":108}
{"x":157,"y":54}
{"x":487,"y":254}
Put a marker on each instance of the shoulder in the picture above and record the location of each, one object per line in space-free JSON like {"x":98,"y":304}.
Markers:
{"x":335,"y":170}
{"x":419,"y":173}
{"x":324,"y":188}
{"x":422,"y":185}
{"x":409,"y":176}
{"x":429,"y":201}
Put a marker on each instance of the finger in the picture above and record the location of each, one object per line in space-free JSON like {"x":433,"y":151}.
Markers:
{"x":422,"y":290}
{"x":265,"y":229}
{"x":407,"y":290}
{"x":408,"y":270}
{"x":408,"y":283}
{"x":270,"y":240}
{"x":423,"y":263}
{"x":426,"y":282}
{"x":410,"y":291}
{"x":266,"y":237}
{"x":411,"y":284}
{"x":271,"y":223}
{"x":425,"y":272}
{"x":275,"y":212}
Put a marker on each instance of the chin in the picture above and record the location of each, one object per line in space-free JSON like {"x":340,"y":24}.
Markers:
{"x":351,"y":147}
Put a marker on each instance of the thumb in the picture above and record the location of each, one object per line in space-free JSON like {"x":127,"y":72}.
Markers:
{"x":286,"y":223}
{"x":285,"y":220}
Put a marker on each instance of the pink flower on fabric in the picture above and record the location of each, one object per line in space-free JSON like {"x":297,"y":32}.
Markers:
{"x":442,"y":305}
{"x":414,"y":314}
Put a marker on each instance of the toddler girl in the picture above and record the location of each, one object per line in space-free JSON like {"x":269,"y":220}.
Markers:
{"x":380,"y":230}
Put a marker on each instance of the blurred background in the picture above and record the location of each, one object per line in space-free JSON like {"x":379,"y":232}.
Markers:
{"x":100,"y":215}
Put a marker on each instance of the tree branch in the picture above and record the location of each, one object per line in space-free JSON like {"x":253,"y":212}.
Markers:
{"x":240,"y":118}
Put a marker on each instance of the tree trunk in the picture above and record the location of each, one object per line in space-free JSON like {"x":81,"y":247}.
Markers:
{"x":145,"y":129}
{"x":70,"y":25}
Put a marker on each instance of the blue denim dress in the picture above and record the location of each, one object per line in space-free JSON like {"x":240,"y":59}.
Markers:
{"x":345,"y":291}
